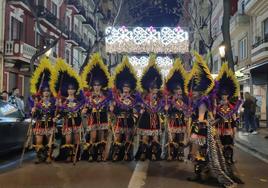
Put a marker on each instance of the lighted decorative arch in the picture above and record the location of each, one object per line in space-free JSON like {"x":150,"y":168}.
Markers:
{"x":165,"y":40}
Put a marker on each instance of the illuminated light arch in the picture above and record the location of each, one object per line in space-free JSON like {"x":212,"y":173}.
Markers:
{"x":165,"y":40}
{"x":140,"y":62}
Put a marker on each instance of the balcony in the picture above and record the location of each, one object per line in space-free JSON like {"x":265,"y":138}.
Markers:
{"x":238,"y":23}
{"x":43,"y":12}
{"x":255,"y":7}
{"x":260,"y":50}
{"x":89,"y":24}
{"x":73,"y":38}
{"x":18,"y":50}
{"x":74,"y":3}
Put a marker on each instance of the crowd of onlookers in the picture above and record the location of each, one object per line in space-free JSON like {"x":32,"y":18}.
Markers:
{"x":14,"y":98}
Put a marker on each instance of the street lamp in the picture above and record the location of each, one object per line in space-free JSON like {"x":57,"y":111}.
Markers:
{"x":222,"y":52}
{"x":47,"y":53}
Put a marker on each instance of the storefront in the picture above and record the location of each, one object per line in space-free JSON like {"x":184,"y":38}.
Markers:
{"x":259,"y":75}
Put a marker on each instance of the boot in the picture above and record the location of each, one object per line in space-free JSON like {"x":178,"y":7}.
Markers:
{"x":100,"y":151}
{"x":91,"y":152}
{"x":128,"y":151}
{"x":116,"y":151}
{"x":39,"y":154}
{"x":180,"y":154}
{"x":155,"y":151}
{"x":143,"y":152}
{"x":228,"y":154}
{"x":170,"y":151}
{"x":198,"y":171}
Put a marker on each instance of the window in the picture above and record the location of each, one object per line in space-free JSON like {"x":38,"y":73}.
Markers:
{"x":16,"y":29}
{"x":54,"y":8}
{"x":40,"y":2}
{"x":68,"y":23}
{"x":215,"y":66}
{"x":37,"y":39}
{"x":243,"y":48}
{"x":265,"y":29}
{"x":67,"y":56}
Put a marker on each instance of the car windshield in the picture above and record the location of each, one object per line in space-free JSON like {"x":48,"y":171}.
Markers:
{"x":8,"y":110}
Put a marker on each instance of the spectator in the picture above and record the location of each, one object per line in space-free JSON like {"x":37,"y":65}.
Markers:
{"x":4,"y":96}
{"x":15,"y":100}
{"x":249,"y":114}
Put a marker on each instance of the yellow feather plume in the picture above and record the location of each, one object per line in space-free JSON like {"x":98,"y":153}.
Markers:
{"x":62,"y":66}
{"x":177,"y":66}
{"x":95,"y":60}
{"x":45,"y":64}
{"x":120,"y":67}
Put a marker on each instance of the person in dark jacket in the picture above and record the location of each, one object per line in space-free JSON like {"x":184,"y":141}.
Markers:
{"x":249,"y":114}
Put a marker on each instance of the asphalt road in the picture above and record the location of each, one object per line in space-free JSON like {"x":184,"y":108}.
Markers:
{"x":253,"y":171}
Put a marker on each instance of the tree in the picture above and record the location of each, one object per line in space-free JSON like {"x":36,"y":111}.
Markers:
{"x":199,"y":26}
{"x":225,"y":28}
{"x":108,"y":19}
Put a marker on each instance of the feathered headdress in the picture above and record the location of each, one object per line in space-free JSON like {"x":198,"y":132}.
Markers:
{"x":124,"y":74}
{"x":227,"y":82}
{"x":151,"y":75}
{"x":199,"y":78}
{"x":176,"y":76}
{"x":95,"y":70}
{"x":41,"y":76}
{"x":63,"y":78}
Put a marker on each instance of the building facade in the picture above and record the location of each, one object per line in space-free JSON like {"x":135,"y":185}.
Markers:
{"x":249,"y":40}
{"x":71,"y":21}
{"x":2,"y":23}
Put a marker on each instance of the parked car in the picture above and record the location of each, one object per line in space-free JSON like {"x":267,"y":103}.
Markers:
{"x":13,"y":128}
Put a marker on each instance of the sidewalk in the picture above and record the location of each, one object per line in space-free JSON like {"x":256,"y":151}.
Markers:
{"x":255,"y":143}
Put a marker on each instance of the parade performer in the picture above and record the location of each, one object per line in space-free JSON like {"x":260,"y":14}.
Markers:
{"x":205,"y":151}
{"x":227,"y":91}
{"x":124,"y":107}
{"x":149,"y":125}
{"x":176,"y":107}
{"x":43,"y":111}
{"x":96,"y":78}
{"x":67,"y":86}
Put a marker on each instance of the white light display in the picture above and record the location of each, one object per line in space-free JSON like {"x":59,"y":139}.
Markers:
{"x":139,"y":63}
{"x":165,"y":40}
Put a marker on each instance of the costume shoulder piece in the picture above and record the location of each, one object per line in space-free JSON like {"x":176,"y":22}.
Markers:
{"x":176,"y":76}
{"x":95,"y":70}
{"x":41,"y":76}
{"x":151,"y":75}
{"x":199,"y":78}
{"x":124,"y":74}
{"x":63,"y":77}
{"x":227,"y":83}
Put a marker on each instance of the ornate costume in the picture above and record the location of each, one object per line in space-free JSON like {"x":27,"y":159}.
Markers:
{"x":176,"y":127}
{"x":124,"y":85}
{"x":227,"y":89}
{"x":96,"y":75}
{"x":206,"y":152}
{"x":149,"y":125}
{"x":43,"y":110}
{"x":67,"y":85}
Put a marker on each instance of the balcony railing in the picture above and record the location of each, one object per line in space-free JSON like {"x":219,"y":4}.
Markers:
{"x":17,"y":48}
{"x":74,"y":3}
{"x":45,"y":13}
{"x":259,"y":42}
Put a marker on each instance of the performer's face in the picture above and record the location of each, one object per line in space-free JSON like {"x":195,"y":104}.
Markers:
{"x":97,"y":87}
{"x":195,"y":94}
{"x":46,"y":92}
{"x":71,"y":91}
{"x":224,"y":97}
{"x":178,"y":91}
{"x":153,"y":90}
{"x":126,"y":89}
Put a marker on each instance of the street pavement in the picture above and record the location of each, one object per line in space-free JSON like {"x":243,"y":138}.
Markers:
{"x":162,"y":174}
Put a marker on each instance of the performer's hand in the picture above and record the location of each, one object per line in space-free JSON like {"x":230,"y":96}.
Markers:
{"x":111,"y":108}
{"x":166,"y":107}
{"x":55,"y":119}
{"x":84,"y":111}
{"x":33,"y":110}
{"x":142,"y":111}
